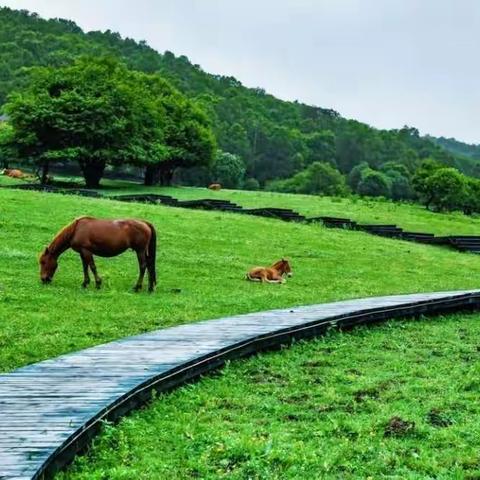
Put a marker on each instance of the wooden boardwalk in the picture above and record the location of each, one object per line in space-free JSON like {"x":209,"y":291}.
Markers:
{"x":50,"y":410}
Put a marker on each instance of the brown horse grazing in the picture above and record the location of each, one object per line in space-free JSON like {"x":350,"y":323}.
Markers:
{"x":273,"y":274}
{"x":107,"y":238}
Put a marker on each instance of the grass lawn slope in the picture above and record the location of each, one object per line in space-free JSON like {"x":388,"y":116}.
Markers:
{"x":412,"y":217}
{"x":318,"y":410}
{"x":202,"y":257}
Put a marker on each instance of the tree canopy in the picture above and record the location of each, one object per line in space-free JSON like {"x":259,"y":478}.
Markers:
{"x":228,"y":170}
{"x":98,"y":112}
{"x":319,"y":178}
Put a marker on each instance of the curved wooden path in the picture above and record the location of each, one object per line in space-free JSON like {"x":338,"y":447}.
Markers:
{"x":50,"y":410}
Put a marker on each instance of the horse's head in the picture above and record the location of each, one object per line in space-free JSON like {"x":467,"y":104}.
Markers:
{"x":283,"y":267}
{"x":48,"y":266}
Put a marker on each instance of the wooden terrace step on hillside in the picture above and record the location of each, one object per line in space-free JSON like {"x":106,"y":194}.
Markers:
{"x":462,"y":243}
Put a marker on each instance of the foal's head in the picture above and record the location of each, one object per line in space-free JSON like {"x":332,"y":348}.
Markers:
{"x":283,"y":267}
{"x":48,"y":265}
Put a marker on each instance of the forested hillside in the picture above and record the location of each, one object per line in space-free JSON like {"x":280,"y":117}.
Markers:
{"x":275,"y":139}
{"x":469,"y":155}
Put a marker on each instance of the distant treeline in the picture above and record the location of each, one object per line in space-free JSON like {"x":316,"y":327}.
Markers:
{"x":262,"y":141}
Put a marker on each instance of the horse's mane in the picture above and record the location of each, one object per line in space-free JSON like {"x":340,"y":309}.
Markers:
{"x":62,"y":238}
{"x":280,"y":263}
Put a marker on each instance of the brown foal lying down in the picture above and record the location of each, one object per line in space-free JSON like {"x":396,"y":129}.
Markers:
{"x":273,"y":274}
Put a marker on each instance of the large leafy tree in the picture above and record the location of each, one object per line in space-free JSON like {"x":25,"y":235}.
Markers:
{"x":187,"y":136}
{"x":421,"y":180}
{"x":94,"y":112}
{"x":228,"y":170}
{"x":449,"y":189}
{"x":97,"y":112}
{"x":319,"y":178}
{"x":374,"y":184}
{"x":321,"y":147}
{"x":7,"y":153}
{"x":355,"y":175}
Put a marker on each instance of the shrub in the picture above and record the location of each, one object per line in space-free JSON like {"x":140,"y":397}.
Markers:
{"x":449,"y":189}
{"x":251,"y":184}
{"x":228,"y":170}
{"x":319,"y":178}
{"x":401,"y":188}
{"x":374,"y":184}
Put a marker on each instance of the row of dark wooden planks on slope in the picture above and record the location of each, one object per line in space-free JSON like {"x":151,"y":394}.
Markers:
{"x":463,"y":243}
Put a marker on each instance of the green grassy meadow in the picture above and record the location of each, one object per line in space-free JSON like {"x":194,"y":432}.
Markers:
{"x":317,"y":410}
{"x":410,"y":216}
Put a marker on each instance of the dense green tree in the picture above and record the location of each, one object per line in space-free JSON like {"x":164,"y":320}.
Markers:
{"x":355,"y":175}
{"x":321,"y":147}
{"x":449,"y":189}
{"x":7,"y":152}
{"x":374,"y":184}
{"x":234,"y":138}
{"x":400,"y":186}
{"x":397,"y":167}
{"x":472,"y":203}
{"x":97,"y":112}
{"x":187,"y":136}
{"x":319,"y":178}
{"x":228,"y":170}
{"x":94,"y":112}
{"x":458,"y":148}
{"x":420,"y":181}
{"x":251,"y":184}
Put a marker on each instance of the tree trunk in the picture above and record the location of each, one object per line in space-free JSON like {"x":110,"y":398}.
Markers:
{"x":152,"y":175}
{"x":166,"y":176}
{"x":92,"y":173}
{"x":160,"y":173}
{"x":429,"y":202}
{"x":166,"y":173}
{"x":44,"y":176}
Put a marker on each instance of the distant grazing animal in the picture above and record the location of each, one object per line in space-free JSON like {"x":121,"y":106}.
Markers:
{"x":13,"y":173}
{"x":273,"y":274}
{"x":91,"y":236}
{"x":215,"y":186}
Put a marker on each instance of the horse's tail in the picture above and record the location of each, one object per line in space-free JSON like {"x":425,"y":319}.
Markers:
{"x":152,"y":256}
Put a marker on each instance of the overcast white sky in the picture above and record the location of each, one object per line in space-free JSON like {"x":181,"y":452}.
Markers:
{"x":385,"y":62}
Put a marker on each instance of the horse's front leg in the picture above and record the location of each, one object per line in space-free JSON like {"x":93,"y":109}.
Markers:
{"x":86,"y":277}
{"x":142,"y":266}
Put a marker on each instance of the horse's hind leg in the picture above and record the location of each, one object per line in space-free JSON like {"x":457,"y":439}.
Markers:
{"x":276,"y":279}
{"x":89,"y":258}
{"x":86,"y":277}
{"x":142,"y":265}
{"x":93,"y":268}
